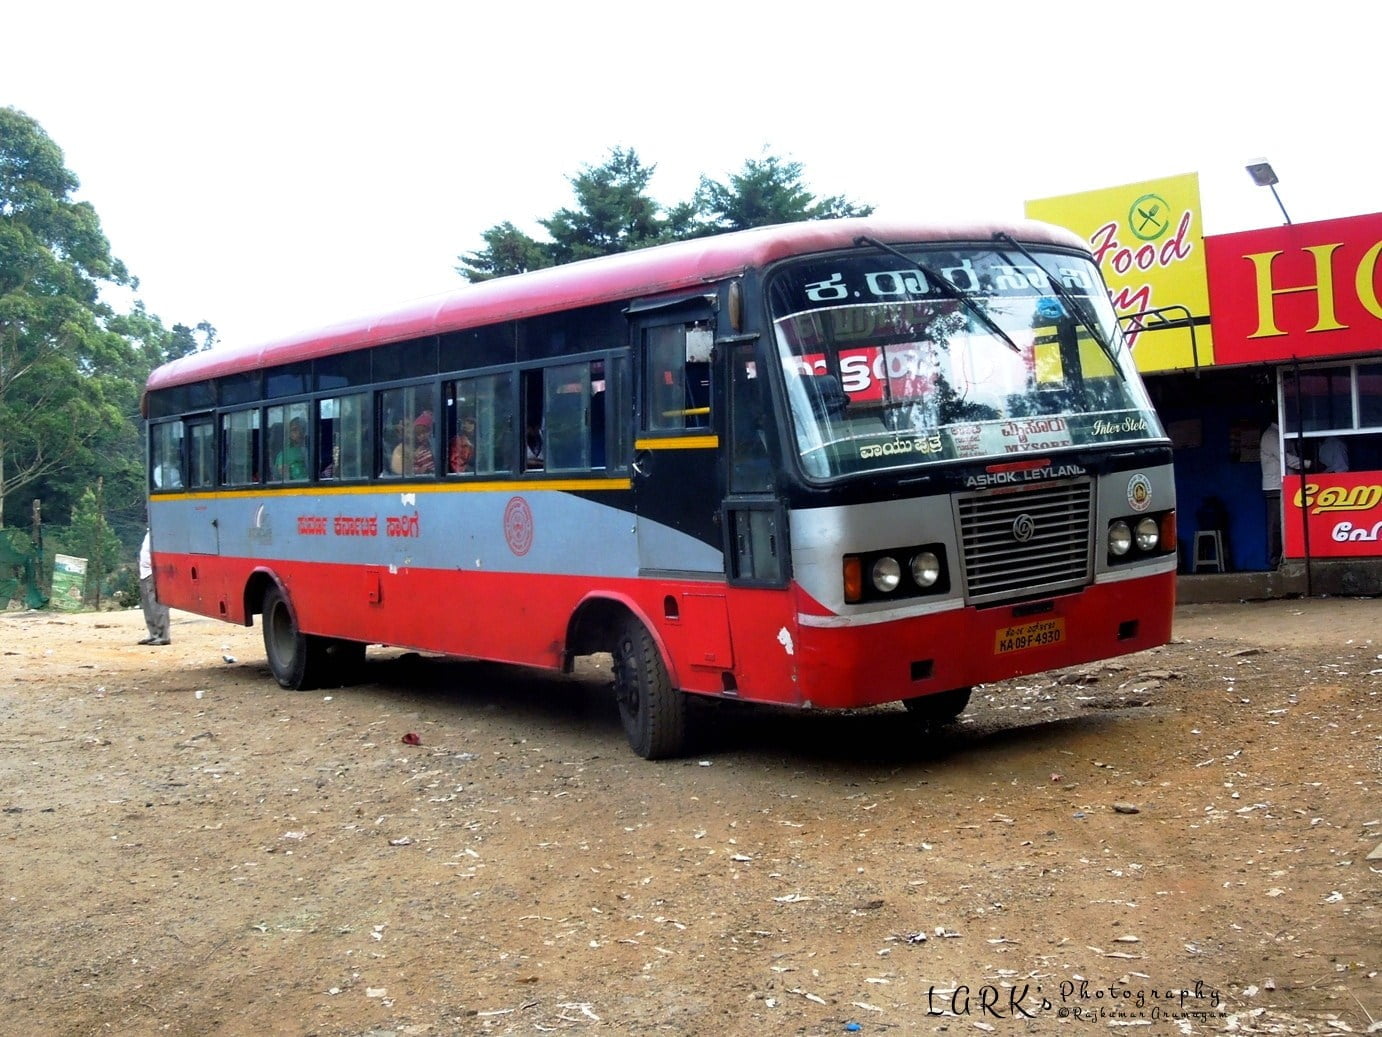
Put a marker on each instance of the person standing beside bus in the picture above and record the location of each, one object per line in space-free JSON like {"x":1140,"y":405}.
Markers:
{"x":155,"y":613}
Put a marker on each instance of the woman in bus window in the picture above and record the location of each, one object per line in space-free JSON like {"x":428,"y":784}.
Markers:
{"x":416,"y":458}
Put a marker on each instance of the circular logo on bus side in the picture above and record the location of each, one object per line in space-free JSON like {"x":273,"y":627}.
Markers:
{"x":518,"y":526}
{"x":1139,"y":492}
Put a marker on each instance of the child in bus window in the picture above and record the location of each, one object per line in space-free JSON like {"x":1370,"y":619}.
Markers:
{"x":462,"y":455}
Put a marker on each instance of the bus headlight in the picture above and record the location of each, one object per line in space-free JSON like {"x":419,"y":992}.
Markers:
{"x":1119,"y":538}
{"x":926,"y":568}
{"x":1147,"y":534}
{"x":887,"y":574}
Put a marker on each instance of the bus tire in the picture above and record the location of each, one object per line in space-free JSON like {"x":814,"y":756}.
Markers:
{"x":940,"y":708}
{"x":653,"y":712}
{"x":298,"y":661}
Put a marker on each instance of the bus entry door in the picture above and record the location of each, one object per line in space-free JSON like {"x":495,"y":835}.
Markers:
{"x":675,"y":482}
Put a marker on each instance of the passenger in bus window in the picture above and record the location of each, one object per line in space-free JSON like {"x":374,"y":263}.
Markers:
{"x":290,"y":464}
{"x":167,"y":476}
{"x":461,"y":460}
{"x":533,"y":448}
{"x":416,"y":457}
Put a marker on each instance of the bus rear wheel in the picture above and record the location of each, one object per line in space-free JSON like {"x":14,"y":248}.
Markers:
{"x":653,"y":712}
{"x":298,"y":661}
{"x":940,"y":708}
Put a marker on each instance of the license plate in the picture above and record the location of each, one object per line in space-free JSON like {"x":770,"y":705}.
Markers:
{"x":1029,"y":635}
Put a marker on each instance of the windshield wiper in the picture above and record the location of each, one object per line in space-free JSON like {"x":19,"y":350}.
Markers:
{"x":1071,"y":303}
{"x":947,"y":288}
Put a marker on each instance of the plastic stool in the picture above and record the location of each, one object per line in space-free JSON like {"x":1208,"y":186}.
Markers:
{"x":1209,"y":551}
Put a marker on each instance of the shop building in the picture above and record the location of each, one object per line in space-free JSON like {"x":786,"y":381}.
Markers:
{"x":1275,"y":331}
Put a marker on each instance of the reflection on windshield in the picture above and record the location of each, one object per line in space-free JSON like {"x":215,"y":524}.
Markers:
{"x":883,"y":369}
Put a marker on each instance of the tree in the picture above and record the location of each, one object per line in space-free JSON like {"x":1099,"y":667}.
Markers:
{"x":764,"y":192}
{"x":614,"y":211}
{"x":63,"y":373}
{"x":89,"y":536}
{"x":507,"y":251}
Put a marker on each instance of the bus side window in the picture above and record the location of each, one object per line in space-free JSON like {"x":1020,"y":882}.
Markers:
{"x":240,"y":448}
{"x":566,"y":411}
{"x":408,"y":434}
{"x":201,"y":459}
{"x":677,"y":377}
{"x":750,"y":464}
{"x":479,"y":424}
{"x":534,"y":431}
{"x":289,"y":449}
{"x":343,"y":436}
{"x":165,"y":450}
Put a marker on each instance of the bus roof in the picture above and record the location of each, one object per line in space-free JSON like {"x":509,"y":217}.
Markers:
{"x":677,"y":266}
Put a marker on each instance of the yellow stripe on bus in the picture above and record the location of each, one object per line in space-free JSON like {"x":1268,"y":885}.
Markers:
{"x":679,"y":443}
{"x":471,"y":486}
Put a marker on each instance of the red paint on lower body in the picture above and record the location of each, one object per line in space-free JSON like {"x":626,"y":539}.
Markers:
{"x":753,"y":648}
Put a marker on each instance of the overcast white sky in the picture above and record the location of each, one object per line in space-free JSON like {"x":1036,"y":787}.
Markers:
{"x":269,"y":166}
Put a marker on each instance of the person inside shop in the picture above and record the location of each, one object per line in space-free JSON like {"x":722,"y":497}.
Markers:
{"x":1333,"y":455}
{"x":1273,"y":457}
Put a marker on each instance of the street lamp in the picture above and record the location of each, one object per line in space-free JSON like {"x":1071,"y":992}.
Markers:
{"x":1264,"y":176}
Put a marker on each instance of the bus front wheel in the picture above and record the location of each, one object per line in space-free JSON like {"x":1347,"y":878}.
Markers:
{"x":298,"y":660}
{"x":653,"y":712}
{"x":940,"y":708}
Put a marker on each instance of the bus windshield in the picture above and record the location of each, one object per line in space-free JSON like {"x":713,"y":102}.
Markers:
{"x":962,"y":353}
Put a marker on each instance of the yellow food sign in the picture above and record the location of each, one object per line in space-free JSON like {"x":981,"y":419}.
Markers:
{"x":1148,"y":239}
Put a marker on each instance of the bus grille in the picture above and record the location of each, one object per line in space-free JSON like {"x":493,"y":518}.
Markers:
{"x":1024,"y":544}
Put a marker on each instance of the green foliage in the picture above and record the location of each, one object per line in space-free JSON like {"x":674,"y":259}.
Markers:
{"x":89,"y":536}
{"x":59,"y":365}
{"x":507,"y":251}
{"x":614,"y":212}
{"x":764,"y":192}
{"x":71,"y":370}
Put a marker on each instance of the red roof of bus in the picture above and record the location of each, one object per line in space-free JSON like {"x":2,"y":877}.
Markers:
{"x":677,"y":266}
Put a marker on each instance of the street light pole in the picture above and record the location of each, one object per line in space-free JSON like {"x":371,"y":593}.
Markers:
{"x":1264,"y":176}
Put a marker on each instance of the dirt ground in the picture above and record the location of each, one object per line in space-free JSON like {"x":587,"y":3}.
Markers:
{"x":1187,"y":841}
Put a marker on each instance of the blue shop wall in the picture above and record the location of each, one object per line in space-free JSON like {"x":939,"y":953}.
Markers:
{"x":1216,"y":421}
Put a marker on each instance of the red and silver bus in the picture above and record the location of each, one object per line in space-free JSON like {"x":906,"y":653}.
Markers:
{"x":821,"y":465}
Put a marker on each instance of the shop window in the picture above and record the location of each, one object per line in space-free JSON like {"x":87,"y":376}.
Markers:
{"x":1321,"y":396}
{"x":1370,"y":396}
